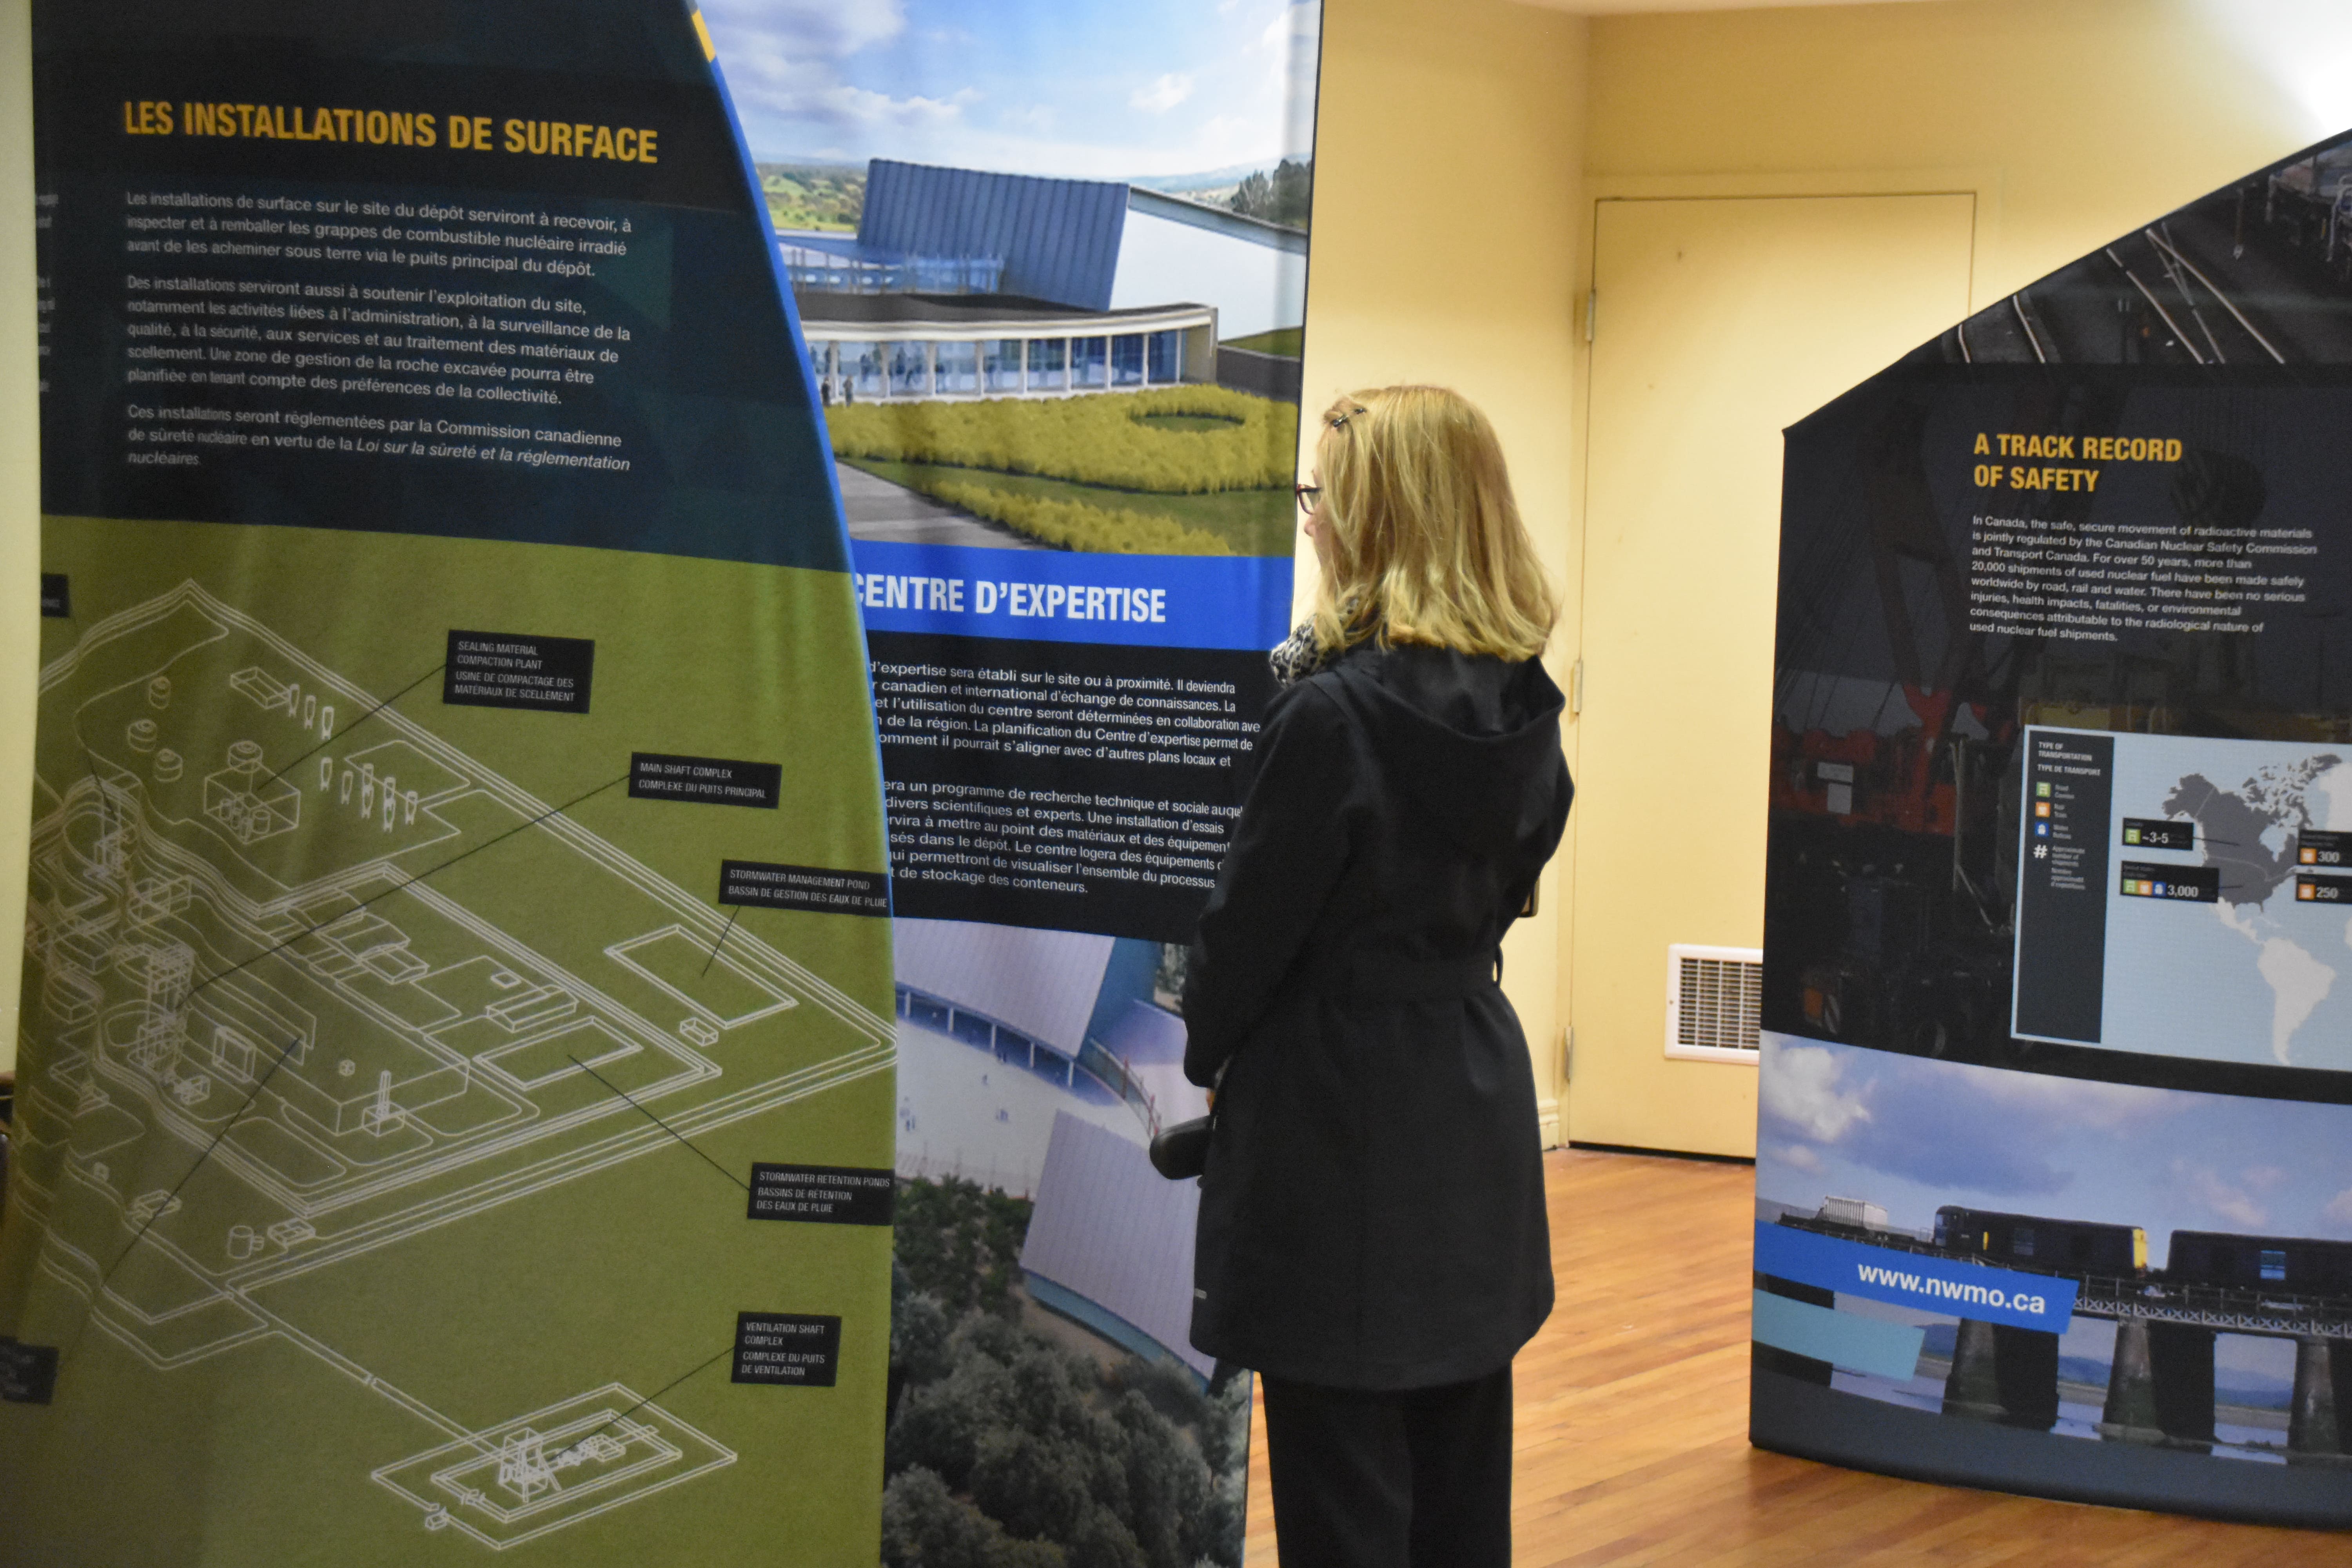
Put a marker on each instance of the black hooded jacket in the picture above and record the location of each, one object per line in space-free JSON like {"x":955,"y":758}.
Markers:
{"x":1372,"y":1211}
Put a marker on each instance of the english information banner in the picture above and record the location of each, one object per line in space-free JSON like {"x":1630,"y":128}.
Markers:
{"x":2055,"y":1171}
{"x":454,"y":1113}
{"x":1051,"y":260}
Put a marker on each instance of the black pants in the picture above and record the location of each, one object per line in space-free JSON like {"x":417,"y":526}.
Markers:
{"x":1419,"y":1477}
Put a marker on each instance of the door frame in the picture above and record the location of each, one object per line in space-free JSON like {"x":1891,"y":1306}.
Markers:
{"x":1986,"y":282}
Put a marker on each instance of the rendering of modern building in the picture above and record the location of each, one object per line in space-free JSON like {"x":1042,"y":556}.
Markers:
{"x":1110,"y":1245}
{"x":963,"y":283}
{"x":865,"y":348}
{"x":1055,"y":1003}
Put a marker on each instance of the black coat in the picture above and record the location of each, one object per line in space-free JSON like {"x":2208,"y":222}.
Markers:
{"x":1372,"y":1211}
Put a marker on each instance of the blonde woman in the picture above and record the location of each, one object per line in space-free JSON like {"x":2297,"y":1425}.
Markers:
{"x":1372,"y":1238}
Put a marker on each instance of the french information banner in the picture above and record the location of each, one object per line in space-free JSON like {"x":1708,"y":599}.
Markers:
{"x":458,"y":860}
{"x":1056,"y":329}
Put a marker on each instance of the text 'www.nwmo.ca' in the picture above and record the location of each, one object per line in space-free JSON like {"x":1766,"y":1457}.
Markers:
{"x":1949,"y":1290}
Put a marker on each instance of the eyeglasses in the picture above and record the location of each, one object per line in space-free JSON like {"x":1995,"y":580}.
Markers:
{"x":1310,"y":497}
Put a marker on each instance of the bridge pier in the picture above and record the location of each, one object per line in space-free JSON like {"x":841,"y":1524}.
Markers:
{"x":2160,"y":1389}
{"x":2323,"y":1388}
{"x":1973,"y":1387}
{"x":2004,"y":1374}
{"x":2130,"y":1411}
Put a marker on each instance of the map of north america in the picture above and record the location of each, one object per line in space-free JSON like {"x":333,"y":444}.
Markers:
{"x":2251,"y":834}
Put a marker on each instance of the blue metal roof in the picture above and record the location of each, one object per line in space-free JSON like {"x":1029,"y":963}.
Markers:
{"x":1217,"y":220}
{"x":1058,"y":238}
{"x":1112,"y":1233}
{"x":1042,"y":982}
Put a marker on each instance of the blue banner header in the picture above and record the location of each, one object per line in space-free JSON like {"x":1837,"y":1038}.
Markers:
{"x":1058,"y":595}
{"x":1911,"y":1280}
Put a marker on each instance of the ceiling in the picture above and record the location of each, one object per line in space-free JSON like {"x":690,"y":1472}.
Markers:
{"x":1620,"y":7}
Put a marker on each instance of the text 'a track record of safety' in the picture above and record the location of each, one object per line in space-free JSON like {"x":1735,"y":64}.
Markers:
{"x":2095,"y":581}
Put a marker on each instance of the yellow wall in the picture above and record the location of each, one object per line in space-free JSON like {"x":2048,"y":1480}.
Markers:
{"x":1461,"y":147}
{"x":2069,"y":121}
{"x":2090,"y":116}
{"x":1447,"y":236}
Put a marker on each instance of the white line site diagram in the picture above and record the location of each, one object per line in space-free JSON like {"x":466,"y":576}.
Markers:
{"x":246,"y":959}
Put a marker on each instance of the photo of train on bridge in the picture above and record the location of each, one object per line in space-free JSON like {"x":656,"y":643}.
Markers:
{"x":2161,"y":1383}
{"x":2093,"y":1267}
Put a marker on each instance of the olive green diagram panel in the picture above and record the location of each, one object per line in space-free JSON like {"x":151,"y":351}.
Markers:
{"x":456,"y":1100}
{"x":394,"y":1079}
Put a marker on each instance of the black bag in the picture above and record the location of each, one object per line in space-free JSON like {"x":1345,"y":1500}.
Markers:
{"x":1181,"y":1152}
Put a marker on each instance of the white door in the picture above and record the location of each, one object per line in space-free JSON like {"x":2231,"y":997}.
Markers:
{"x":1718,"y":322}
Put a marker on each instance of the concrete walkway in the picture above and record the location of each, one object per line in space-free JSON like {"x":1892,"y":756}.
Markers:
{"x":877,"y":508}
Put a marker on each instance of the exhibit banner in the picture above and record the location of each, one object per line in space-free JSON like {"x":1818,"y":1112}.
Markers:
{"x":2054,"y":1160}
{"x":454,"y":1113}
{"x":1051,"y":260}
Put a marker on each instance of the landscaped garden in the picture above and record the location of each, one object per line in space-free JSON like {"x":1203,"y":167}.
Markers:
{"x":1179,"y":470}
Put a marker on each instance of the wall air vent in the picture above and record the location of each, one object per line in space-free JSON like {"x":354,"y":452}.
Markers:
{"x":1714,"y":1000}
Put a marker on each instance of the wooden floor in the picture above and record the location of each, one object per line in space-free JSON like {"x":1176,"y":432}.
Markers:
{"x":1633,"y":1420}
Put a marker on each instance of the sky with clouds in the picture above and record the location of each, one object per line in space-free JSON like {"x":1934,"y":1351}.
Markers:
{"x":1094,"y":89}
{"x":1912,"y":1133}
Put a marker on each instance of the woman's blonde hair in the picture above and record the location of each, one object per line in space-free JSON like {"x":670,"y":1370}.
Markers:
{"x":1423,"y":541}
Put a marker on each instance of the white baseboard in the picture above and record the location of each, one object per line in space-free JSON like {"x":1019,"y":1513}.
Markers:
{"x":1547,"y":1123}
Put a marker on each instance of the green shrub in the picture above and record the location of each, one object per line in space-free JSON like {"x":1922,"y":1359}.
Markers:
{"x":959,"y":1243}
{"x":924,"y":1525}
{"x":1094,"y":440}
{"x":1074,"y":525}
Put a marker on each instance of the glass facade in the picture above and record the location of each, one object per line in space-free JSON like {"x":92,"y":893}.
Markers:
{"x":861,"y":367}
{"x":910,"y":369}
{"x":1049,"y":364}
{"x":998,"y":367}
{"x":1002,"y":364}
{"x":1127,"y":360}
{"x":956,"y":369}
